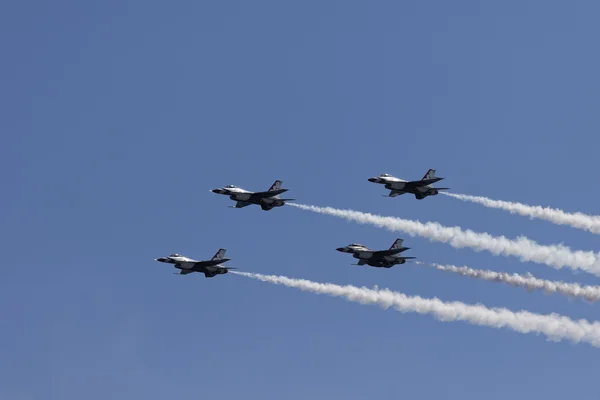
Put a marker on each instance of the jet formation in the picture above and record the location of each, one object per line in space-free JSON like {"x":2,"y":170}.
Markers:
{"x":270,"y":199}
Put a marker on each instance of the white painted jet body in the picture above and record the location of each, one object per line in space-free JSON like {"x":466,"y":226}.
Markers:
{"x":420,"y":189}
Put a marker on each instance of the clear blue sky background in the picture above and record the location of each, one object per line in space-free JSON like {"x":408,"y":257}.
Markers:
{"x":118,"y":117}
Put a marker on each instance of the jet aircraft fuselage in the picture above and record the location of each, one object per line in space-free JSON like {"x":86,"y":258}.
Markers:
{"x":377,"y":258}
{"x":266,"y":200}
{"x":209,"y":268}
{"x":420,"y":189}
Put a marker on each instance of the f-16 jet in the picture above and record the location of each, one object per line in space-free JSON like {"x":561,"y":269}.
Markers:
{"x":187,"y":265}
{"x":377,"y":258}
{"x":266,"y":200}
{"x":420,"y":189}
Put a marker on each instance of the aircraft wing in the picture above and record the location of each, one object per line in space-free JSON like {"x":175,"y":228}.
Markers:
{"x":386,"y":264}
{"x":185,"y":271}
{"x":390,"y":252}
{"x":424,"y":182}
{"x":394,"y":193}
{"x":209,"y":263}
{"x":241,"y":204}
{"x":214,"y":271}
{"x":269,"y":193}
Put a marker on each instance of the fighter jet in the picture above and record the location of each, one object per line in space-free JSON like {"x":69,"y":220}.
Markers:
{"x":188,"y":265}
{"x":420,"y":189}
{"x":266,"y":200}
{"x":377,"y":258}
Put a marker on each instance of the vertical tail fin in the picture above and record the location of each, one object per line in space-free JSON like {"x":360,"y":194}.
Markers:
{"x":276,"y":185}
{"x":397,"y":244}
{"x":220,"y":254}
{"x":429,"y":175}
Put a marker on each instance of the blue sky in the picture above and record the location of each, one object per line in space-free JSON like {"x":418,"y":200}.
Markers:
{"x":119,"y":116}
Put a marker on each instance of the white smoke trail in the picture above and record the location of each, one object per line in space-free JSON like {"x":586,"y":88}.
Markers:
{"x":590,"y":293}
{"x":554,"y":326}
{"x":556,"y":256}
{"x":578,"y":220}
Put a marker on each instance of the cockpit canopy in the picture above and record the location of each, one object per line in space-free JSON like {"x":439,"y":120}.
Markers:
{"x":385,"y":175}
{"x":175,"y":255}
{"x":230,"y":186}
{"x":356,"y":245}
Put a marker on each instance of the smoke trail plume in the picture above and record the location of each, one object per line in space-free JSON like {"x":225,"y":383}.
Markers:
{"x":529,"y":282}
{"x":557,"y":256}
{"x":578,"y":220}
{"x":554,"y":326}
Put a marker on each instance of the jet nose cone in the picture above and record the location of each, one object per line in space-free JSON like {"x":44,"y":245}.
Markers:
{"x":161,"y":259}
{"x":342,"y":249}
{"x":219,"y":191}
{"x":372,"y":180}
